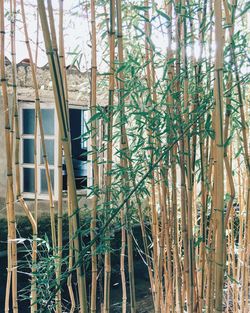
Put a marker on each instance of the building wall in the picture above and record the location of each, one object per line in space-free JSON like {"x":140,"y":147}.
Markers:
{"x":79,"y":94}
{"x":43,"y":205}
{"x":78,"y":87}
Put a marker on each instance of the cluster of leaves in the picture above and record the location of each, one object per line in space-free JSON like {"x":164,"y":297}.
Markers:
{"x":152,"y":122}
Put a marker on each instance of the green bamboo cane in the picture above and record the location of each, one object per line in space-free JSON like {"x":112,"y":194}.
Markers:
{"x":219,"y":153}
{"x":12,"y":256}
{"x":65,"y":137}
{"x":95,"y":166}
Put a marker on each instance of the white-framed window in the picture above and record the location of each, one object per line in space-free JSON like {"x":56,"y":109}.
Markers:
{"x":78,"y":117}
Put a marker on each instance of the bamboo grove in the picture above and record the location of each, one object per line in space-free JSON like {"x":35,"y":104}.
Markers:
{"x":169,"y":151}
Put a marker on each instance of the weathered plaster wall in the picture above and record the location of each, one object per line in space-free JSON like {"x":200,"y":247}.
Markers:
{"x":78,"y":84}
{"x":79,"y":94}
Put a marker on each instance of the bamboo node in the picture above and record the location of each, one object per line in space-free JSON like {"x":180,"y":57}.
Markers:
{"x":219,"y":264}
{"x":50,"y":52}
{"x":219,"y":69}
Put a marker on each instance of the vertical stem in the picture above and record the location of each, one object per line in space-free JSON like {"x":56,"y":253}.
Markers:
{"x":154,"y":226}
{"x":39,"y":120}
{"x":8,"y":149}
{"x":107,"y":265}
{"x":219,"y":154}
{"x":120,"y":83}
{"x":95,"y":166}
{"x":182,"y":162}
{"x":59,"y":93}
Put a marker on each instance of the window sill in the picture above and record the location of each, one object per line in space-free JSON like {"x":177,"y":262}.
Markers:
{"x":31,"y":196}
{"x":79,"y":192}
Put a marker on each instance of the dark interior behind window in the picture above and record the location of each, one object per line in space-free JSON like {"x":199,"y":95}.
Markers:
{"x":79,"y":150}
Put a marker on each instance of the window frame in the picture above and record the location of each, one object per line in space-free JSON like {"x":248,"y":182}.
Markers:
{"x":22,"y":104}
{"x":30,"y":195}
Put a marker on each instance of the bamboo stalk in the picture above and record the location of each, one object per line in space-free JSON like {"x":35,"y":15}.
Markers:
{"x":51,"y":48}
{"x":10,"y":192}
{"x":9,"y":269}
{"x":108,"y":182}
{"x":123,"y":163}
{"x":173,"y":155}
{"x":71,"y":262}
{"x":17,"y":163}
{"x":197,"y":100}
{"x":40,"y":124}
{"x":39,"y":120}
{"x":182,"y":168}
{"x":95,"y":166}
{"x":60,"y":173}
{"x":60,"y":195}
{"x":154,"y":226}
{"x":122,"y":261}
{"x":230,"y":21}
{"x":219,"y":154}
{"x":187,"y":149}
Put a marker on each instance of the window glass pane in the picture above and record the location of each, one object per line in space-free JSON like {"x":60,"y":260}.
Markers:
{"x":81,"y":182}
{"x":80,"y":168}
{"x":80,"y":171}
{"x":28,"y":180}
{"x":44,"y":188}
{"x":28,"y":151}
{"x":76,"y":118}
{"x":48,"y":121}
{"x":49,"y":143}
{"x":28,"y":121}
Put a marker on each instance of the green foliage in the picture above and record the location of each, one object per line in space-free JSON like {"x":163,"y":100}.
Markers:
{"x":165,"y":98}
